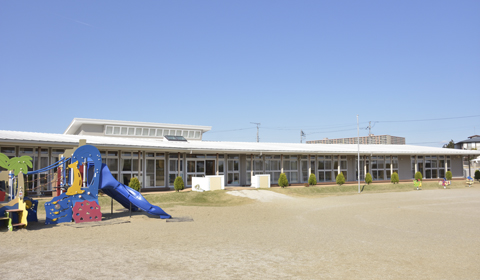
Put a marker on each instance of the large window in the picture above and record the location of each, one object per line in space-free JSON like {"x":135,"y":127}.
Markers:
{"x":340,"y":161}
{"x":431,"y":167}
{"x":155,"y":170}
{"x":110,"y":158}
{"x":391,"y":165}
{"x":233,"y":170}
{"x":150,"y":132}
{"x":129,"y":166}
{"x":272,"y":167}
{"x":173,"y":171}
{"x":290,"y":168}
{"x":324,"y":169}
{"x":257,"y":167}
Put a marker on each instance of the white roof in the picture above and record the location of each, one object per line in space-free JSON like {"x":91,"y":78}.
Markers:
{"x":123,"y":143}
{"x":77,"y":122}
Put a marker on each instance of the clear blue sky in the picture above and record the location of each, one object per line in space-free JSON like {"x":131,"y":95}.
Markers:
{"x":289,"y":65}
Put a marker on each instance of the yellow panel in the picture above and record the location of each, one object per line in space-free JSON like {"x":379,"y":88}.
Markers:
{"x":215,"y":183}
{"x":264,"y":182}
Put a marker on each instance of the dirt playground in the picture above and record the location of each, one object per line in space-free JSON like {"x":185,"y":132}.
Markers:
{"x":430,"y":234}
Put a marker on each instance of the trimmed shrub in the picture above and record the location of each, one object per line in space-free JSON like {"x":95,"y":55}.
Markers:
{"x":312,"y":180}
{"x":306,"y":185}
{"x":449,"y":175}
{"x":178,"y":184}
{"x":135,"y":184}
{"x":340,"y":179}
{"x":477,"y":175}
{"x":394,"y":179}
{"x":368,"y":178}
{"x":418,"y":176}
{"x":283,"y":181}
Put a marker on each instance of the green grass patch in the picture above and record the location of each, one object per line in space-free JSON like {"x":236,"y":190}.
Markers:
{"x":319,"y":190}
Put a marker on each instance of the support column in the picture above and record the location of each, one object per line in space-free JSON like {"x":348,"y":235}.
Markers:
{"x":309,"y":164}
{"x":178,"y":165}
{"x":281,"y":163}
{"x":338,"y":167}
{"x":36,"y":183}
{"x":216,"y":166}
{"x":416,"y":166}
{"x":391,"y":165}
{"x":251,"y":169}
{"x":364,"y":166}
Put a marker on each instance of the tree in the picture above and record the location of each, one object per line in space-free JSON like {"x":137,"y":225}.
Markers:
{"x":477,"y":175}
{"x":312,"y":180}
{"x":4,"y":161}
{"x":135,"y":184}
{"x":418,"y":176}
{"x":450,"y":145}
{"x":394,"y":179}
{"x":178,"y":184}
{"x":282,"y":180}
{"x":368,"y":178}
{"x":340,"y":179}
{"x":18,"y":164}
{"x":448,"y":175}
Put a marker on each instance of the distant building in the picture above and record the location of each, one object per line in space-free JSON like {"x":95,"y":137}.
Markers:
{"x":470,"y":164}
{"x":371,"y":139}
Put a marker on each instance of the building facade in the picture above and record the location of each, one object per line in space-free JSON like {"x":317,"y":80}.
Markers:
{"x":158,"y":153}
{"x":371,"y":139}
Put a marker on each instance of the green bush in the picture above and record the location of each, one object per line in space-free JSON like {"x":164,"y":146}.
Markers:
{"x":394,"y":179}
{"x":368,"y":178}
{"x":477,"y":175}
{"x":283,"y":181}
{"x":340,"y":179}
{"x":312,"y":180}
{"x":135,"y":184}
{"x":178,"y":184}
{"x":418,"y":176}
{"x":449,"y":175}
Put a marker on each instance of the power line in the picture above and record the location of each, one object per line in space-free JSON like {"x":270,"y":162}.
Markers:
{"x":230,"y":130}
{"x":437,"y":119}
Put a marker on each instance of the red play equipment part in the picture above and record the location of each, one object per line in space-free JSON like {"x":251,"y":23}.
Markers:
{"x":86,"y":211}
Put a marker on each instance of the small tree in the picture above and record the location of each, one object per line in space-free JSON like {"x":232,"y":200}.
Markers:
{"x":340,"y":179}
{"x":283,"y":181}
{"x":368,"y":178}
{"x":418,"y":176}
{"x":450,"y":145}
{"x":178,"y":184}
{"x":135,"y":184}
{"x":477,"y":175}
{"x":448,"y":175}
{"x":312,"y":180}
{"x":394,"y":179}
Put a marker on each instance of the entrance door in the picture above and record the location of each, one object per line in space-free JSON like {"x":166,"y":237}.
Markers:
{"x":210,"y":167}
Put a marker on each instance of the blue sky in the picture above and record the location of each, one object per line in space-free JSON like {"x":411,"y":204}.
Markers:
{"x":289,"y":65}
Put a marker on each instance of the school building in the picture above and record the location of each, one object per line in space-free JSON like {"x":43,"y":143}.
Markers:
{"x":157,"y":153}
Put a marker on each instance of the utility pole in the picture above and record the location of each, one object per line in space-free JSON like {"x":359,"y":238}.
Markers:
{"x":358,"y":154}
{"x":258,"y":124}
{"x":302,"y":135}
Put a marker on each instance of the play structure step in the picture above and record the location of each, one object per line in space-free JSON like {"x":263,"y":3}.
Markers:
{"x":13,"y":210}
{"x":18,"y":225}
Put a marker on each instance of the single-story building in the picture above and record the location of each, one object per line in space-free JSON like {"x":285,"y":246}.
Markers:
{"x":158,"y":153}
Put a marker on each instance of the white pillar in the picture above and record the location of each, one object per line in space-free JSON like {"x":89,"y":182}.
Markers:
{"x":309,"y":164}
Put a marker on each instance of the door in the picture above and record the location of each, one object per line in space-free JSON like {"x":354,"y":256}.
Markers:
{"x":210,"y":167}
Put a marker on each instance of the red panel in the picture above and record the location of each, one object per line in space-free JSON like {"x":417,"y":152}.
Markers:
{"x":86,"y":211}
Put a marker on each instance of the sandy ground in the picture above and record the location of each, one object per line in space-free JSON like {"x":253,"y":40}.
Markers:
{"x":405,"y":235}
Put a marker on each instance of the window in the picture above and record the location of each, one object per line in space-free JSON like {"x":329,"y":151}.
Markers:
{"x":272,"y":167}
{"x":290,"y":168}
{"x":257,"y":167}
{"x":233,"y":170}
{"x":155,"y":170}
{"x":324,"y":169}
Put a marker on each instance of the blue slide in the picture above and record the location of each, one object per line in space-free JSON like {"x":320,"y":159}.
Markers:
{"x":124,"y":195}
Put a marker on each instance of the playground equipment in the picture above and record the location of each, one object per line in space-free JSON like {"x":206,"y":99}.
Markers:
{"x":444,"y":183}
{"x":80,"y":201}
{"x":417,"y":183}
{"x":469,"y":181}
{"x":14,"y":213}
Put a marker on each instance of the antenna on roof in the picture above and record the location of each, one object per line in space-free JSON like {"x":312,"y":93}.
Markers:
{"x":258,"y":124}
